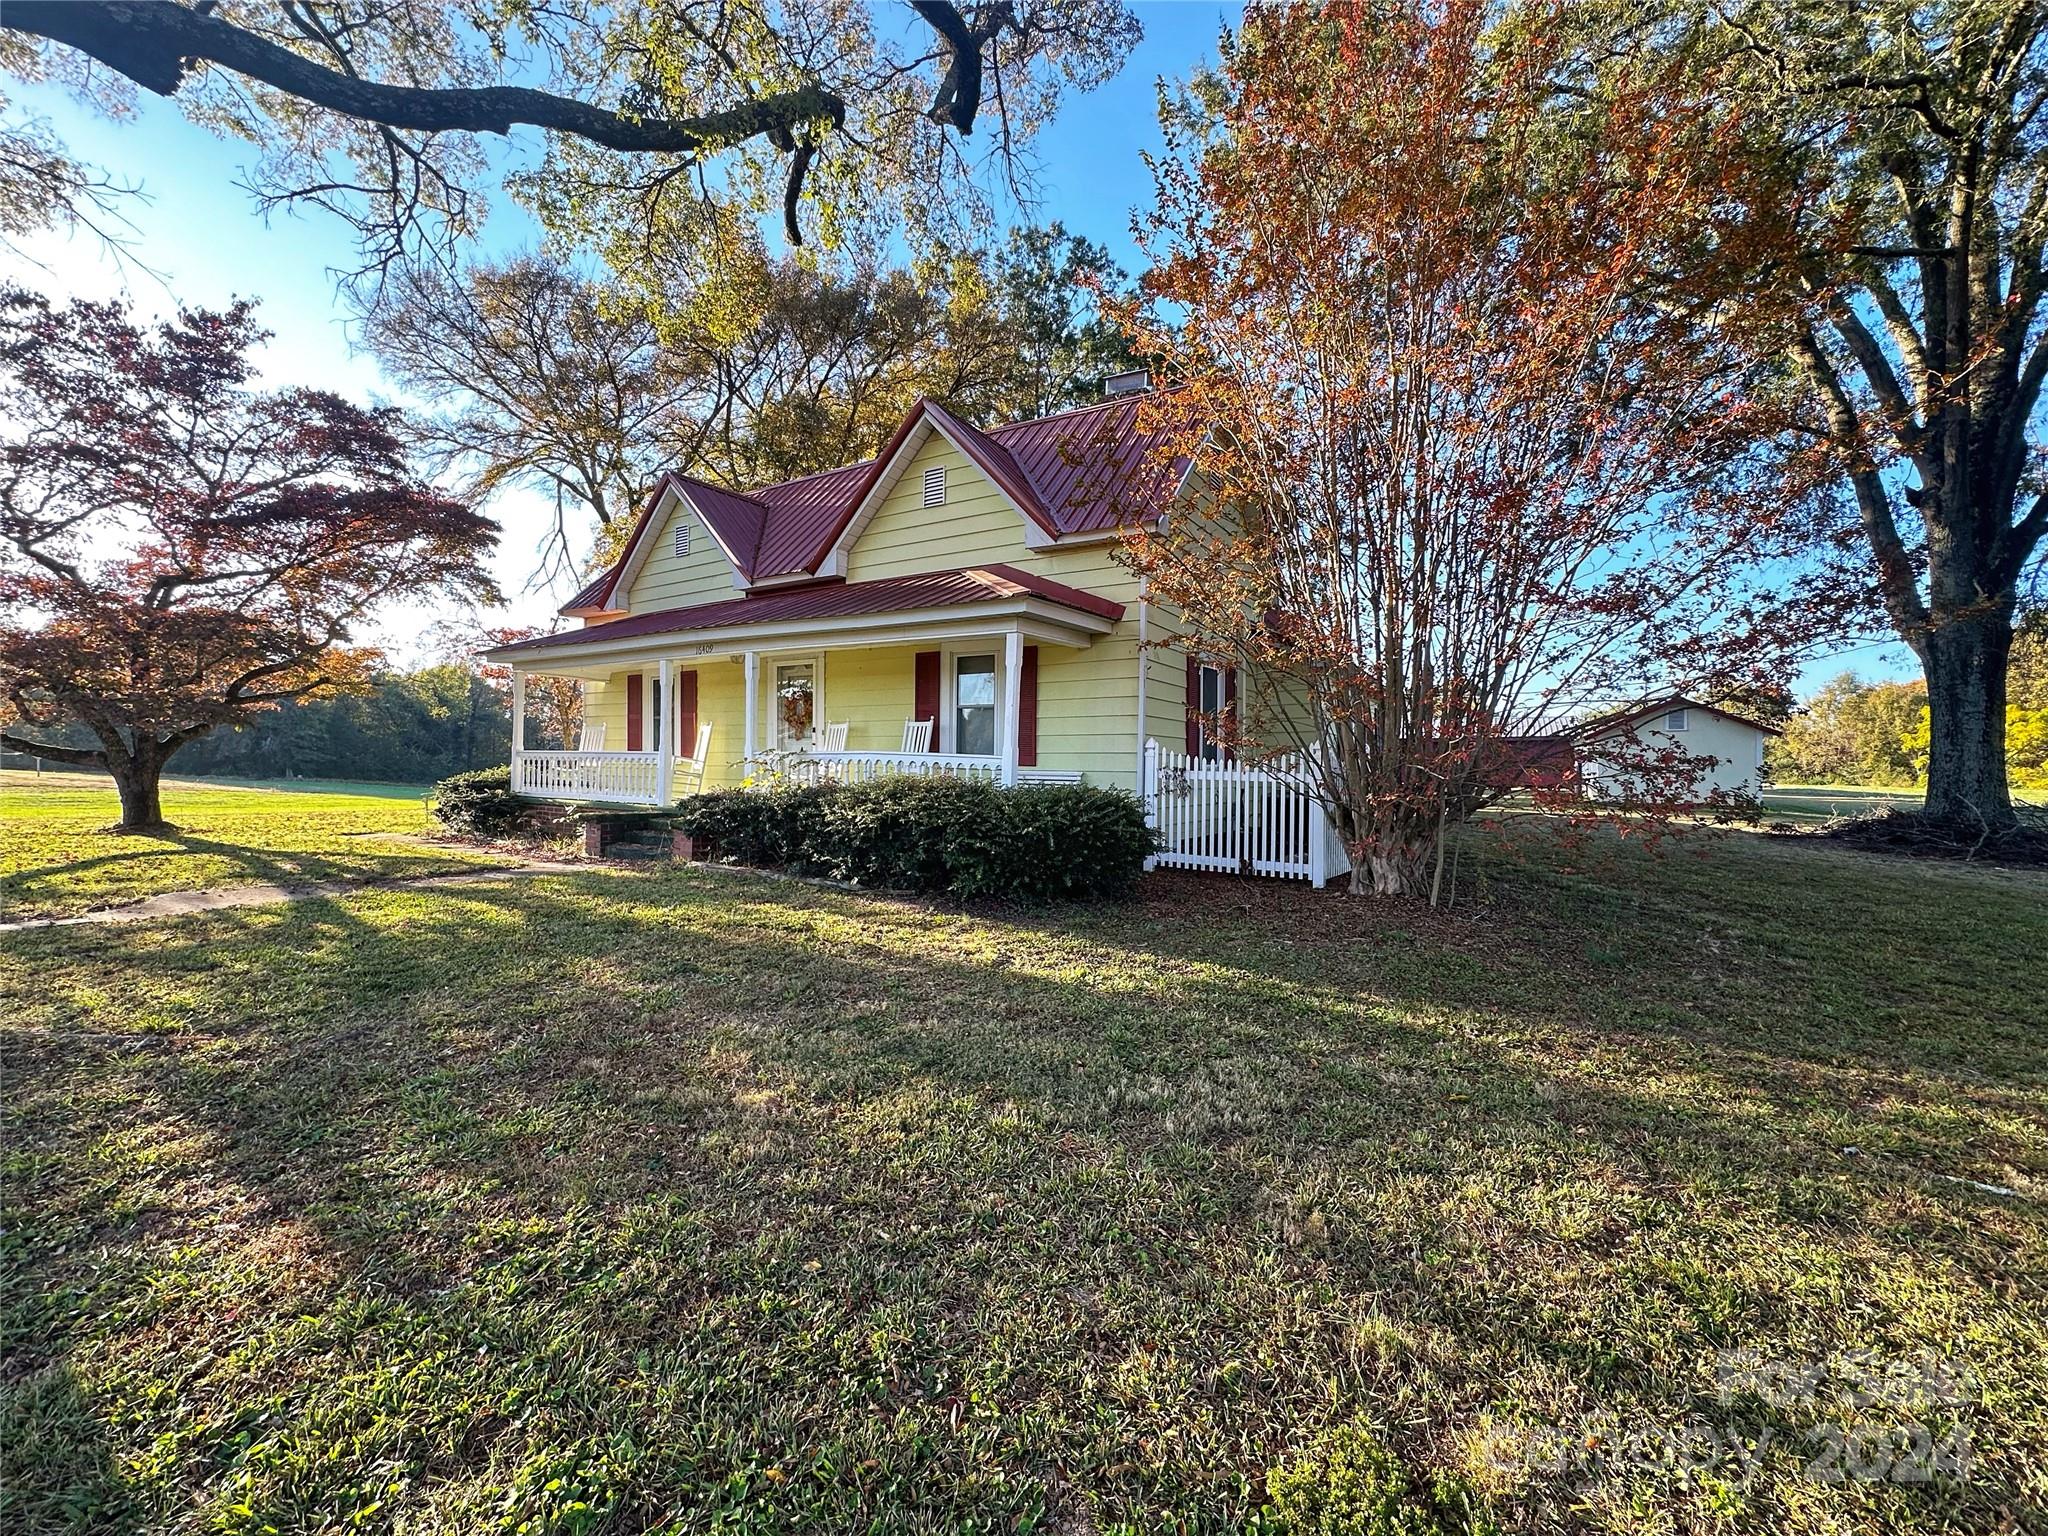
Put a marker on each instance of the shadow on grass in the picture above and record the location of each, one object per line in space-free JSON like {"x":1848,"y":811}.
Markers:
{"x":248,"y":866}
{"x":1086,"y":1165}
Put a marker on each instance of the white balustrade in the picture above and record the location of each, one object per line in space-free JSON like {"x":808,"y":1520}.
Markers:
{"x":859,"y":767}
{"x":614,"y":778}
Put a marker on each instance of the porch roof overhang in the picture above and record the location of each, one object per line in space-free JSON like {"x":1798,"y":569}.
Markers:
{"x":829,"y":614}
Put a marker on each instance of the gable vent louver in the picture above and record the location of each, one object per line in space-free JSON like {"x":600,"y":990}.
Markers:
{"x":935,"y":486}
{"x":682,"y":540}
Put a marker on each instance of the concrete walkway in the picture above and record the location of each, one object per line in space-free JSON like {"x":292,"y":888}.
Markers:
{"x":185,"y":903}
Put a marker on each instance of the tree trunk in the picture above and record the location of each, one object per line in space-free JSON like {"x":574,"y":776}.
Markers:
{"x":1965,"y":663}
{"x":139,"y":781}
{"x":1392,"y":862}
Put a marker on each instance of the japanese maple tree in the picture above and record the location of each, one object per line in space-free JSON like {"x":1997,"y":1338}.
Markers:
{"x":180,"y":549}
{"x":1469,"y":491}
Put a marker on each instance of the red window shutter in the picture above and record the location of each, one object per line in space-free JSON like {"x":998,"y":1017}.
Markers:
{"x":1230,"y":707}
{"x":926,"y":704}
{"x":1027,"y":710}
{"x":633,"y":711}
{"x":1194,"y":743}
{"x":686,"y":713}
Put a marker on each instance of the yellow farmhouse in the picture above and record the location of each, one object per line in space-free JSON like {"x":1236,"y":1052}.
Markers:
{"x":953,"y":605}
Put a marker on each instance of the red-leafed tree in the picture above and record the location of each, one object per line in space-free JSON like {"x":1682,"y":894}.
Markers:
{"x":179,"y":550}
{"x":1469,"y":489}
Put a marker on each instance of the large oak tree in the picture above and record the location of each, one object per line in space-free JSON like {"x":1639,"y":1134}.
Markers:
{"x":588,"y":389}
{"x":660,"y":124}
{"x":1912,"y":276}
{"x":180,"y":551}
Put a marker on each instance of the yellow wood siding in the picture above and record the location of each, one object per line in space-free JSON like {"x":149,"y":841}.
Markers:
{"x":703,"y":576}
{"x":1087,"y":699}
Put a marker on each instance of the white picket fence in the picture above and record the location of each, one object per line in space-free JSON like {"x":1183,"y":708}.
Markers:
{"x":1239,"y":818}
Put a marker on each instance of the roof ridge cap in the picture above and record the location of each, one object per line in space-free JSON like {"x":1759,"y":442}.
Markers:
{"x":723,"y":490}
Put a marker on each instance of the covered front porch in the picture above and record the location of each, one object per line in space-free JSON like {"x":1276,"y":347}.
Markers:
{"x":671,"y":715}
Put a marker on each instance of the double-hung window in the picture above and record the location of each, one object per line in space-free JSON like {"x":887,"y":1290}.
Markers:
{"x":974,"y":705}
{"x":1212,"y":699}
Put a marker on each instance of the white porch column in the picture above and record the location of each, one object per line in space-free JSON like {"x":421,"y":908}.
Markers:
{"x":518,"y":729}
{"x":664,"y":732}
{"x":1013,"y":694}
{"x":753,"y":659}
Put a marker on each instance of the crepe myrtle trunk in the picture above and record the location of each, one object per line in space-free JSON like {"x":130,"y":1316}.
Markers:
{"x":1965,"y":662}
{"x":1392,"y":850}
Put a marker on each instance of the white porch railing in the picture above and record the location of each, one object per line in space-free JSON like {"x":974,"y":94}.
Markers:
{"x":615,"y":778}
{"x":858,"y":767}
{"x":1251,"y":819}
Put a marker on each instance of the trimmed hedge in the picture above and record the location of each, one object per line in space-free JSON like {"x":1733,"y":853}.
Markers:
{"x":962,"y":837}
{"x":481,"y":804}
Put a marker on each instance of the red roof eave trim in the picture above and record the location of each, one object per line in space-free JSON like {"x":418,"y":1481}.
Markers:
{"x":1057,"y":591}
{"x":993,"y":583}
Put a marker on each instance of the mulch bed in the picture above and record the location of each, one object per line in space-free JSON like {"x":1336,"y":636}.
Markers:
{"x":1907,"y":834}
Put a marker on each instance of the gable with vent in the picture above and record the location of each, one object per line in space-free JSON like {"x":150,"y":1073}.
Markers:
{"x":677,"y":562}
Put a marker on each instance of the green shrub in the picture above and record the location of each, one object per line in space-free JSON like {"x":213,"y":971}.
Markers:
{"x":961,"y":837}
{"x":1070,"y":842}
{"x":481,"y":804}
{"x":772,"y":828}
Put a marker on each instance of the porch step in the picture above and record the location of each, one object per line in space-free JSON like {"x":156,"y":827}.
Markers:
{"x":637,"y":853}
{"x":644,"y":842}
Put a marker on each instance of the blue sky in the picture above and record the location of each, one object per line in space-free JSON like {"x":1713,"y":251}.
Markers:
{"x":203,"y":235}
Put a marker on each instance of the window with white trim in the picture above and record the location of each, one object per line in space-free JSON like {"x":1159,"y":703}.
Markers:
{"x":682,"y":539}
{"x":974,"y":705}
{"x":935,"y":486}
{"x":1675,"y":721}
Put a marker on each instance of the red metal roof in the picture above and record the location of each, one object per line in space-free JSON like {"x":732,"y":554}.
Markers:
{"x":591,"y":598}
{"x":839,"y":599}
{"x":1075,"y":472}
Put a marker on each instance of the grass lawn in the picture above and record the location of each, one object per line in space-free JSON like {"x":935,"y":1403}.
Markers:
{"x":1802,"y":803}
{"x":679,"y":1200}
{"x":56,"y":858}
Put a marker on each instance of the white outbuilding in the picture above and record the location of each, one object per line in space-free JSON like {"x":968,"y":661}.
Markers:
{"x":1727,"y":748}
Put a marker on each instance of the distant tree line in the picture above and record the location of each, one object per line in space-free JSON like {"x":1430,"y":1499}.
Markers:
{"x":406,"y":728}
{"x":1877,"y":733}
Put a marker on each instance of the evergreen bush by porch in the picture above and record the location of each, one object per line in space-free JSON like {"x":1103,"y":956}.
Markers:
{"x":961,"y":837}
{"x":480,"y":804}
